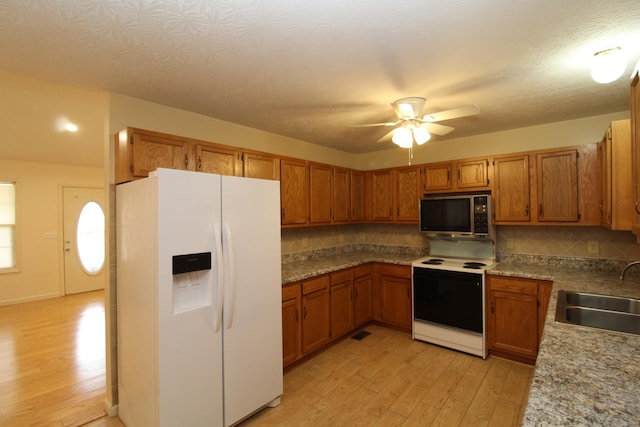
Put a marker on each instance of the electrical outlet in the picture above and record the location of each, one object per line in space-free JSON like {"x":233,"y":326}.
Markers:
{"x":511,"y":243}
{"x":593,"y":247}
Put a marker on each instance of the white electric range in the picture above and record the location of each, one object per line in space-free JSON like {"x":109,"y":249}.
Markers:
{"x":449,"y":295}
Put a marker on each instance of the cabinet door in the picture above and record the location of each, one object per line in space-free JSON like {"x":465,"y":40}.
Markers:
{"x":472,"y":174}
{"x":149,"y":152}
{"x":320,"y":193}
{"x":316,"y":315}
{"x":357,"y":196}
{"x":604,"y":171}
{"x":635,"y":149}
{"x":260,"y":166}
{"x":557,"y":180}
{"x":395,"y":297}
{"x":382,"y":195}
{"x":511,"y":188}
{"x":363,"y":290}
{"x":616,"y":205}
{"x":341,"y":303}
{"x":222,"y":161}
{"x":341,"y":195}
{"x":512,"y":320}
{"x":291,"y":325}
{"x":437,"y":178}
{"x":294,"y":192}
{"x":407,"y":194}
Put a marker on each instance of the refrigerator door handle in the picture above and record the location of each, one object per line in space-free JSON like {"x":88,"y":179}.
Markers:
{"x":230,"y":292}
{"x":217,"y":315}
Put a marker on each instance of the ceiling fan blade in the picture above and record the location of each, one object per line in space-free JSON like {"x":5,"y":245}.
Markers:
{"x":437,"y":129}
{"x":375,"y":124}
{"x":387,"y":136}
{"x":470,"y":110}
{"x":408,"y":108}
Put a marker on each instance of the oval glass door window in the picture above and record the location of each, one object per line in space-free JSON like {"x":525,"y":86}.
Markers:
{"x":90,"y":238}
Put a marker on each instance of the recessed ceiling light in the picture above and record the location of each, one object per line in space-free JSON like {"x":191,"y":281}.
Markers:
{"x":71,"y":127}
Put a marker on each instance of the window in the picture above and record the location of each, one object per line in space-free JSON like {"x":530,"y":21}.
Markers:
{"x":7,"y":224}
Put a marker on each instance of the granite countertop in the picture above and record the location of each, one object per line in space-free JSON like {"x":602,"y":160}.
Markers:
{"x":583,"y":376}
{"x":321,"y":263}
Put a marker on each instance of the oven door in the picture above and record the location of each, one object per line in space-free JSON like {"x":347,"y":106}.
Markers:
{"x":448,"y":298}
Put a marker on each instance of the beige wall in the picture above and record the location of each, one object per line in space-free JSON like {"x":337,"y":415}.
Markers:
{"x":558,"y":134}
{"x":127,"y":111}
{"x":39,"y":210}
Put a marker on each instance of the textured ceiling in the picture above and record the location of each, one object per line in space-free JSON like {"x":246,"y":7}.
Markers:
{"x":308,"y":69}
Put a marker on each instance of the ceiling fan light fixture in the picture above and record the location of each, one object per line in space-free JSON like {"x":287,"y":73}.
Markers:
{"x":403,"y":137}
{"x":421,"y":135}
{"x":608,"y":65}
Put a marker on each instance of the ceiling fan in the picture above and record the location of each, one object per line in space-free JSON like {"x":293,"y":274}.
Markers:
{"x":410,"y":125}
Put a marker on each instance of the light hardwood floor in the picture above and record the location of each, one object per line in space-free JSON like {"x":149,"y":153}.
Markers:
{"x":52,"y":361}
{"x":52,"y":374}
{"x":387,"y":379}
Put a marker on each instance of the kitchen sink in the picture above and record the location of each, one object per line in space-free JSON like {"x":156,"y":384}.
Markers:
{"x":604,"y":302}
{"x":599,"y":311}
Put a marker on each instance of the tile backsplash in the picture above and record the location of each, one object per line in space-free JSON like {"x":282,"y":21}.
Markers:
{"x":569,"y":242}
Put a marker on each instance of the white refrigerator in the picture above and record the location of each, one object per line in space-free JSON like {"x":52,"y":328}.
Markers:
{"x":198,"y":299}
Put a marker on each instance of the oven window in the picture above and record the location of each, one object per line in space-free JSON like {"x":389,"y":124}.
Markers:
{"x":448,"y":298}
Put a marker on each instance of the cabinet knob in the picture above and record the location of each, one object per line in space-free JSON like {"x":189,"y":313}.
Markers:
{"x":636,"y":206}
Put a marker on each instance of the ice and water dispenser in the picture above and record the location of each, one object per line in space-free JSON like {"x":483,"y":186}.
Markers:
{"x":191,"y":281}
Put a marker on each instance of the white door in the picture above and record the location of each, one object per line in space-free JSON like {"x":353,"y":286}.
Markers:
{"x":84,"y":242}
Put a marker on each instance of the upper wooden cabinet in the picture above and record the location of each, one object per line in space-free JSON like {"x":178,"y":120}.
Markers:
{"x":341,"y":195}
{"x":511,"y":189}
{"x":212,"y":159}
{"x":615,"y":163}
{"x":320,"y":194}
{"x":552,"y":187}
{"x":437,"y":177}
{"x":357,"y":193}
{"x":261,"y":166}
{"x":557,"y":186}
{"x":635,"y":149}
{"x":456,"y":176}
{"x":472,"y":174}
{"x":294,"y":192}
{"x":381,"y":199}
{"x":407,"y":193}
{"x":139,"y":152}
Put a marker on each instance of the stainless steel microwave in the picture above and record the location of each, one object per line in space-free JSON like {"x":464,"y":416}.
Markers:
{"x":457,"y":215}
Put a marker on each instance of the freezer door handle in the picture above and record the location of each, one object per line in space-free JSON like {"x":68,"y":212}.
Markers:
{"x":230,"y":267}
{"x":217,"y":315}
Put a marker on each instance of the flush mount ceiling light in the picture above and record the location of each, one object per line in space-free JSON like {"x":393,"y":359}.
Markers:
{"x":608,"y":65}
{"x":71,"y":127}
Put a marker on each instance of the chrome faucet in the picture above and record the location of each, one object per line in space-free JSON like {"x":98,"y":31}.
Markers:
{"x":631,"y":264}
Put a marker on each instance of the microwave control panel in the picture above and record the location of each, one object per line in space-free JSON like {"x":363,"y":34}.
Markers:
{"x":481,"y":214}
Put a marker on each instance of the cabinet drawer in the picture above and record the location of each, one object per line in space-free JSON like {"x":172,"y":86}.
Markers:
{"x":316,"y":284}
{"x":290,"y":292}
{"x":403,"y":271}
{"x":361,"y":270}
{"x":341,"y":276}
{"x":521,"y":286}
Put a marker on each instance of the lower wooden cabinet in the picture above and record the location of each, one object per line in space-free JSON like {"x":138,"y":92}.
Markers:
{"x":363,"y":294}
{"x":328,"y":307}
{"x":316,"y":313}
{"x":516,"y":311}
{"x":341,"y":302}
{"x":291,"y":324}
{"x":394,"y":293}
